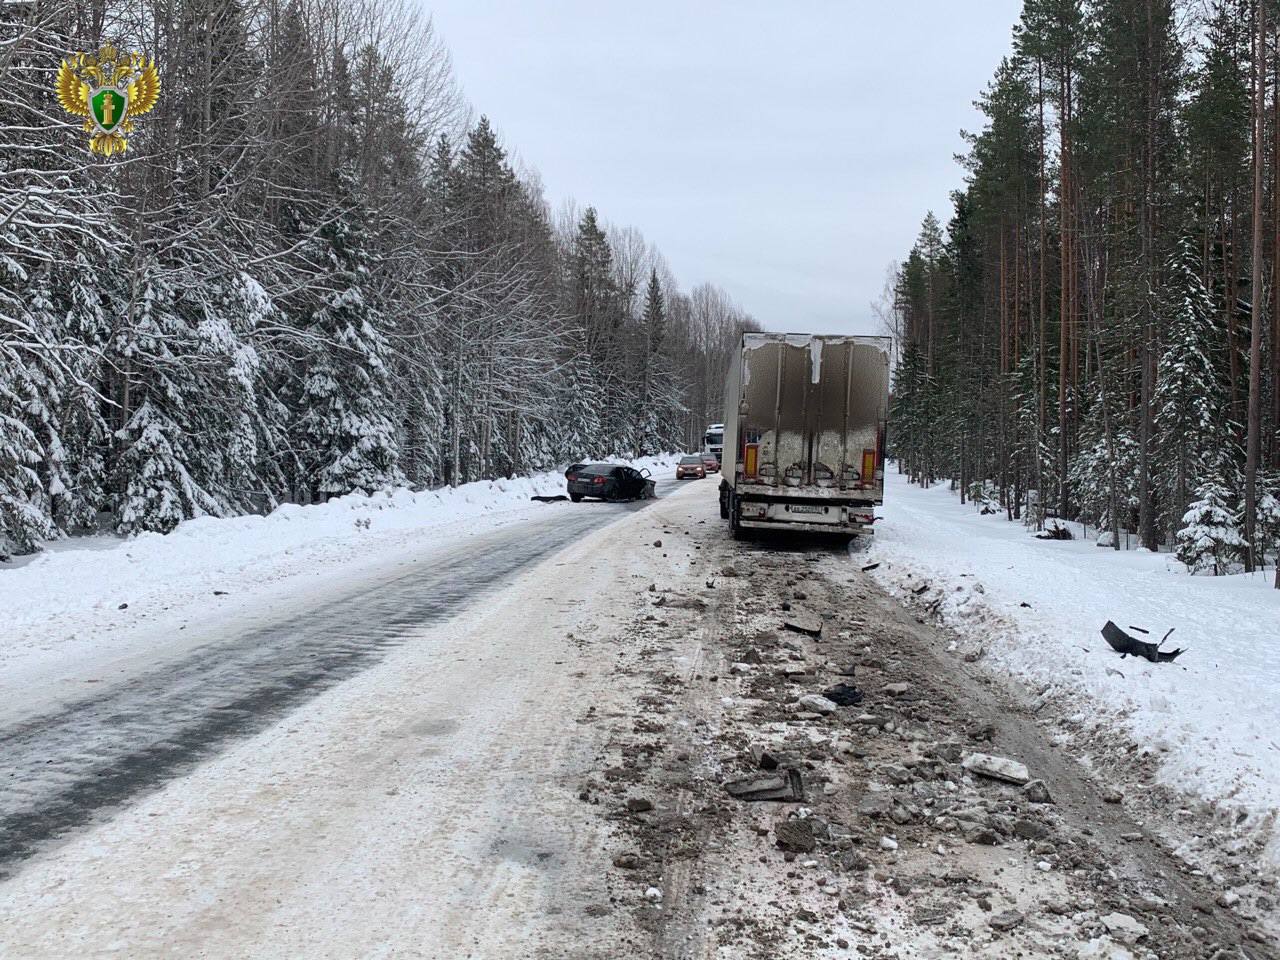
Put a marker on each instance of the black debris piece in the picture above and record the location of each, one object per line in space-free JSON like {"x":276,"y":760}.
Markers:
{"x":1126,"y":645}
{"x":869,"y":567}
{"x":786,"y":786}
{"x":556,"y":499}
{"x":843,"y":695}
{"x":803,"y":623}
{"x":764,"y":759}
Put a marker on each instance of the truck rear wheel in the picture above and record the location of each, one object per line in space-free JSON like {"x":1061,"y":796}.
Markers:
{"x":735,"y":527}
{"x":724,"y":500}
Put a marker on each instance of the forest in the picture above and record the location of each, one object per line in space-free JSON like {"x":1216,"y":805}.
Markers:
{"x":1095,"y":333}
{"x":315,"y":270}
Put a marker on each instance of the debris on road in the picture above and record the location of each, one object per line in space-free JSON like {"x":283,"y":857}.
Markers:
{"x":1126,"y":645}
{"x":549,"y":499}
{"x":869,"y":567}
{"x":997,"y":768}
{"x":986,"y":730}
{"x":1125,"y":928}
{"x":817,"y":704}
{"x":764,"y":759}
{"x":1006,"y":921}
{"x":795,"y":835}
{"x":843,"y":695}
{"x":786,"y":787}
{"x":1037,"y":792}
{"x":892,"y":825}
{"x":803,"y":623}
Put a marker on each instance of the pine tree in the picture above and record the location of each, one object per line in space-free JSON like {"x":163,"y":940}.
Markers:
{"x":1210,"y":534}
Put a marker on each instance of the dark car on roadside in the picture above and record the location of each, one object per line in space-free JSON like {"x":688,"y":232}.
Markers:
{"x":690,"y":468}
{"x":711,"y":462}
{"x":608,"y":481}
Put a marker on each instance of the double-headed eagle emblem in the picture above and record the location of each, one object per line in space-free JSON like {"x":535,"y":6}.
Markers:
{"x":109,"y":88}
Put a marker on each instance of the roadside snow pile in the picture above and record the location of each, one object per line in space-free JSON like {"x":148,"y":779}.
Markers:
{"x":1035,"y":608}
{"x":60,"y":598}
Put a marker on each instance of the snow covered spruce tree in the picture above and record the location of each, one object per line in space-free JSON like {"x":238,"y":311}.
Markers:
{"x":344,"y":425}
{"x":24,"y":513}
{"x":1210,"y":534}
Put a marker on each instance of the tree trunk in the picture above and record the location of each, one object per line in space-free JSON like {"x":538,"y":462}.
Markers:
{"x":1146,"y":508}
{"x":1064,"y":307}
{"x":1253,"y":555}
{"x":1275,"y":267}
{"x":1042,"y":371}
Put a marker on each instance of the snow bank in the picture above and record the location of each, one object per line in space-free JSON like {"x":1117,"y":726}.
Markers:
{"x":68,"y":598}
{"x":1211,"y":720}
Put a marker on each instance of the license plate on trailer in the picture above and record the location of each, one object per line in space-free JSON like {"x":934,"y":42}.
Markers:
{"x":806,"y":508}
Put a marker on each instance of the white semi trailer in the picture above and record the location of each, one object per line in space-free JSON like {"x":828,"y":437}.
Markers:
{"x":804,"y":432}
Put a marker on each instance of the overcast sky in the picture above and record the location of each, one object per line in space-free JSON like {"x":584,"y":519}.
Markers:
{"x":785,"y":151}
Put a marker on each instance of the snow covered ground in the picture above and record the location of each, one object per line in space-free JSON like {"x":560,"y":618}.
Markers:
{"x":86,"y":599}
{"x":1211,"y":720}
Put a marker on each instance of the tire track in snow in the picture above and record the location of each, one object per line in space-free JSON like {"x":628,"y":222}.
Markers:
{"x":63,"y":769}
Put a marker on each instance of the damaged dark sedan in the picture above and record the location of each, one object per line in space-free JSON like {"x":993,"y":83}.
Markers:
{"x":608,"y":481}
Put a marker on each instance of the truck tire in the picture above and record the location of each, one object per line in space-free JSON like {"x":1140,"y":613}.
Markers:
{"x":724,"y":501}
{"x":735,"y":528}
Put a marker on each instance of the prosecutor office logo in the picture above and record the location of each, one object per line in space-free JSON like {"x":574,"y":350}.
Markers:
{"x":109,"y":88}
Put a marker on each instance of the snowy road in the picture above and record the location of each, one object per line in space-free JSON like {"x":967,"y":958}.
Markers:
{"x":61,"y":768}
{"x":542,"y":775}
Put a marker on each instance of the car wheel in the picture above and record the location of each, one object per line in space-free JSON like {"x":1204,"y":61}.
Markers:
{"x":575,"y":497}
